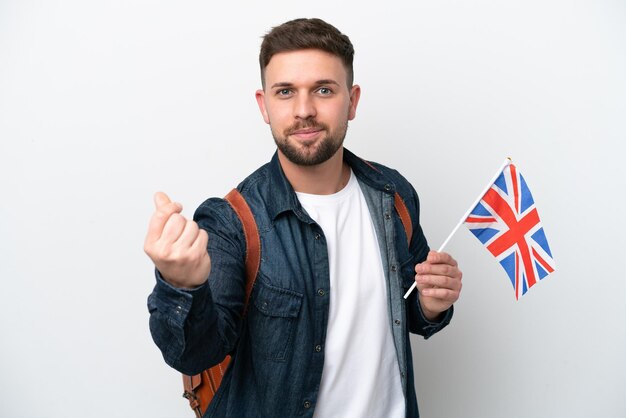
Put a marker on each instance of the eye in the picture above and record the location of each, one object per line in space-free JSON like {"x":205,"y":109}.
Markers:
{"x":325,"y":91}
{"x":283,"y":92}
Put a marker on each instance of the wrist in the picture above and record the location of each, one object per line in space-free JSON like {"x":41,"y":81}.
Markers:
{"x":430,"y":314}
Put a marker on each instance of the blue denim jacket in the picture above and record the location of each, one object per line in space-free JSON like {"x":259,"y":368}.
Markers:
{"x":278,"y":347}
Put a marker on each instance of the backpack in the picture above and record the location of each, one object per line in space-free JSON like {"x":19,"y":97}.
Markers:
{"x":201,"y":388}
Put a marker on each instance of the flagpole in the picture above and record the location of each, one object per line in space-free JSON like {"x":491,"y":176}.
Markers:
{"x":506,"y":162}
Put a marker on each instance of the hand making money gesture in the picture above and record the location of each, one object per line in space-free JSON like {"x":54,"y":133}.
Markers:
{"x":176,"y":245}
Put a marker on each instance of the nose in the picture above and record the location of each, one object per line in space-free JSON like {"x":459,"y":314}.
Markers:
{"x":304,"y":107}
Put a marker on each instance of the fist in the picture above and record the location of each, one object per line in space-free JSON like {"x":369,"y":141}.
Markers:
{"x":176,"y":245}
{"x":439,"y":283}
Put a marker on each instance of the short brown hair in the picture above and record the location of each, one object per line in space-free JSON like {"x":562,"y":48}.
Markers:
{"x":300,"y":34}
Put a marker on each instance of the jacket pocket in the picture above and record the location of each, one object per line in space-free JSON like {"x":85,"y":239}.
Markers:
{"x":272,"y":320}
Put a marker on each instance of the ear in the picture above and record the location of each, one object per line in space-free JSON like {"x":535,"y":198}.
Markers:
{"x":260,"y":100}
{"x":355,"y":95}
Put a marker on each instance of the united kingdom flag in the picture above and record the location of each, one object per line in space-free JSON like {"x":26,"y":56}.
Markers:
{"x":506,"y":221}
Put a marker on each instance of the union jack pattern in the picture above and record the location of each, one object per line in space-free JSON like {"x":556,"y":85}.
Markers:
{"x":506,"y":221}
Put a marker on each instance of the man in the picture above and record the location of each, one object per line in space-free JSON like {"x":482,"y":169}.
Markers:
{"x":326,"y":332}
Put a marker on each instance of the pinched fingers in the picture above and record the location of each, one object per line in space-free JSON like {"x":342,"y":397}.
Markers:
{"x":165,"y":208}
{"x":182,"y":241}
{"x":176,"y":245}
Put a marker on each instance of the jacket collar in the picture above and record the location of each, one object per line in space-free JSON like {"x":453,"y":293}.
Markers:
{"x":284,"y":198}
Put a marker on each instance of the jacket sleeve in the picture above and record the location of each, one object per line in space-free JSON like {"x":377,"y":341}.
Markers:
{"x":196,"y":328}
{"x":418,"y":249}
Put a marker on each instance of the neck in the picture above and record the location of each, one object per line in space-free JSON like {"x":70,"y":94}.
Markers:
{"x":327,"y":178}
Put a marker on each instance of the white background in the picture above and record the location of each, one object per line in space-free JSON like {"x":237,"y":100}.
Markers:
{"x":104,"y":102}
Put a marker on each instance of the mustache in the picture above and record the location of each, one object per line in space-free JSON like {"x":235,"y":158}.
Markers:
{"x":305,"y":124}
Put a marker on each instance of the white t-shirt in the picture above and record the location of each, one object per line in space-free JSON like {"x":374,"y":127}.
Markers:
{"x":361,"y":377}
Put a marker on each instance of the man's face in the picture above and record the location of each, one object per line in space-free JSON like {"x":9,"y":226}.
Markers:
{"x":307,"y":104}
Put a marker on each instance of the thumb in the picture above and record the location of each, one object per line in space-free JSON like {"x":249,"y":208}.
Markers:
{"x":161,"y":199}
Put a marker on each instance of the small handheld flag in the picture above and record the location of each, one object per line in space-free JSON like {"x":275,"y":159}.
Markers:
{"x":506,"y":221}
{"x":504,"y":218}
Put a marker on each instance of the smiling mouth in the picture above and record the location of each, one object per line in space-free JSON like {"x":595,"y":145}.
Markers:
{"x":306,"y":134}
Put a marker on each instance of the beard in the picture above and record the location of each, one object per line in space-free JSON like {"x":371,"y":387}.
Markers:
{"x":310,"y":154}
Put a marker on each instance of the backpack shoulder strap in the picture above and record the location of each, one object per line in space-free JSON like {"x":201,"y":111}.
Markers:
{"x":201,"y":388}
{"x":405,"y":217}
{"x":253,"y":240}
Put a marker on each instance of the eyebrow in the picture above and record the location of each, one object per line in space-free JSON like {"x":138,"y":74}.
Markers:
{"x":318,"y":82}
{"x":326,"y":81}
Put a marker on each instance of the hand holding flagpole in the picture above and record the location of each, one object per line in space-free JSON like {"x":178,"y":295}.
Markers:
{"x":506,"y":162}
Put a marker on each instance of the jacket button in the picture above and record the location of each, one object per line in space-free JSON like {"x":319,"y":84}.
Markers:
{"x":387,"y":215}
{"x":397,"y":322}
{"x":394,"y":268}
{"x":317,"y":236}
{"x":307,"y":404}
{"x":321,"y":292}
{"x":318,"y":348}
{"x":387,"y":187}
